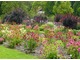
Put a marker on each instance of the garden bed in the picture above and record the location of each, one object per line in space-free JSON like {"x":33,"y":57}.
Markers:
{"x":43,"y":41}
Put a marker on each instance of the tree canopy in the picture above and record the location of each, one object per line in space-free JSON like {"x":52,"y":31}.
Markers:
{"x":32,"y":7}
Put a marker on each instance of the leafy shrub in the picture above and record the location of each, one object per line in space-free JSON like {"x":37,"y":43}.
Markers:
{"x":31,"y":45}
{"x":13,"y":42}
{"x":59,"y":43}
{"x":31,"y":41}
{"x":50,"y":51}
{"x":14,"y":36}
{"x":15,"y":16}
{"x":70,"y":21}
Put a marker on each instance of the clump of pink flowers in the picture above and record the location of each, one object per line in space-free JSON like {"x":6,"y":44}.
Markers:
{"x":73,"y":43}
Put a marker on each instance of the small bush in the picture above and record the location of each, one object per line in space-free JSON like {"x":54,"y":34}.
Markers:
{"x":15,"y":16}
{"x":31,"y":41}
{"x":70,"y":21}
{"x":14,"y":42}
{"x":31,"y":45}
{"x":50,"y":51}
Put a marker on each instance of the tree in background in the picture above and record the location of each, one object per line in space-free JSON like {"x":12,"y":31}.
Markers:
{"x":62,"y":7}
{"x":76,"y":8}
{"x":7,"y":7}
{"x":0,"y":8}
{"x":49,"y":8}
{"x":36,"y":6}
{"x":72,"y":3}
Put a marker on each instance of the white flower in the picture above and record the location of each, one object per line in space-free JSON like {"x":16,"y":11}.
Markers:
{"x":70,"y":55}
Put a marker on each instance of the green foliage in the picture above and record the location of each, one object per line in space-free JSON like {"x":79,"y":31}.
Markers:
{"x":72,"y":3}
{"x":31,"y":8}
{"x":50,"y":24}
{"x":0,"y":8}
{"x":76,"y":8}
{"x":8,"y":7}
{"x":50,"y":51}
{"x":36,"y":6}
{"x":49,"y":8}
{"x":73,"y":52}
{"x":13,"y":42}
{"x":59,"y":43}
{"x":62,"y":7}
{"x":31,"y":45}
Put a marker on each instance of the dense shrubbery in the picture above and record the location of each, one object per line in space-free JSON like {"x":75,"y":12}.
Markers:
{"x":15,"y":16}
{"x":50,"y":42}
{"x":68,"y":20}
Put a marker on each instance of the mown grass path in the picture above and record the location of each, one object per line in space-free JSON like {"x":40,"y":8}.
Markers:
{"x":6,"y":53}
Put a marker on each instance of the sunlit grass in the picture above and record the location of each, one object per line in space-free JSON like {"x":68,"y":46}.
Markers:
{"x":6,"y":53}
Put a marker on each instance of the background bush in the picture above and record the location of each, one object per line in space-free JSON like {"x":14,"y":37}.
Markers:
{"x":15,"y":16}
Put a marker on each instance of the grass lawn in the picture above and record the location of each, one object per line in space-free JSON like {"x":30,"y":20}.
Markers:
{"x":6,"y":53}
